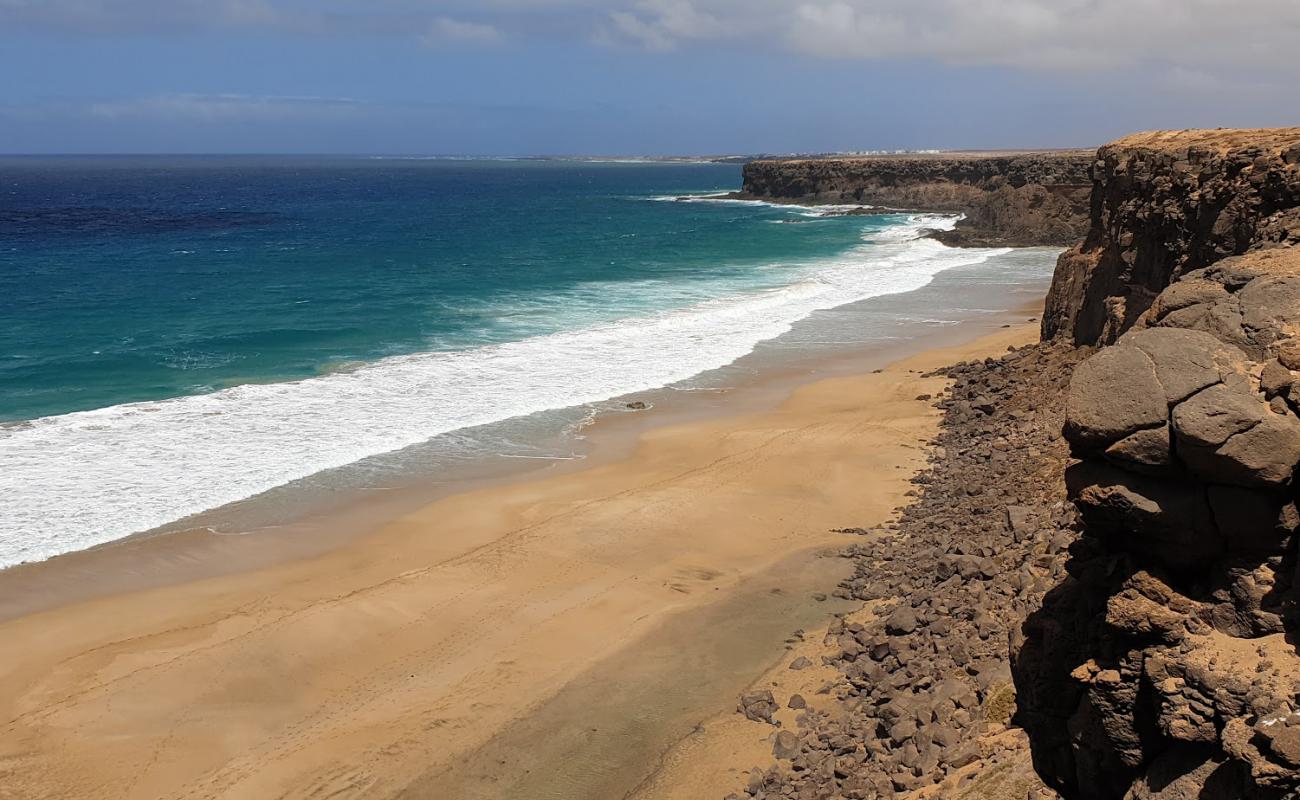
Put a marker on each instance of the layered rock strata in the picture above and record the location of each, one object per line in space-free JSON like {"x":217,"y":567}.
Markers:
{"x":1169,"y":658}
{"x":1165,"y":204}
{"x":1102,"y":561}
{"x":1016,"y":200}
{"x":1166,"y":664}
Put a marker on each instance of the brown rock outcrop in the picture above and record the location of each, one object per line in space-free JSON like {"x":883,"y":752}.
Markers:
{"x":1016,"y":200}
{"x":1166,"y":665}
{"x":1140,"y":591}
{"x":1165,"y":204}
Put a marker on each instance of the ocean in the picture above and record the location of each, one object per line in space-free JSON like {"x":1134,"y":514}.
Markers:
{"x":180,"y":334}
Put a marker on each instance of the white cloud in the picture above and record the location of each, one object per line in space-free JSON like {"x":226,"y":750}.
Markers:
{"x":1212,"y":37}
{"x":664,"y":24}
{"x":1058,"y":35}
{"x":629,"y":27}
{"x":446,"y":30}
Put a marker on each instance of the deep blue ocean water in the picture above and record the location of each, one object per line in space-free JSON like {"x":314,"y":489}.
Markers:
{"x":129,"y":279}
{"x":177,"y":334}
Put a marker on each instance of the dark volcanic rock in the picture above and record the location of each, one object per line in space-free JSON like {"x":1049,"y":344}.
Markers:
{"x":1165,"y":666}
{"x":1127,"y":594}
{"x":1166,"y":204}
{"x":1016,"y":200}
{"x":1112,"y":396}
{"x":928,"y":676}
{"x":758,"y":706}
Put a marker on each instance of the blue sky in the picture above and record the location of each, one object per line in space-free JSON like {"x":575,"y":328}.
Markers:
{"x":632,"y":76}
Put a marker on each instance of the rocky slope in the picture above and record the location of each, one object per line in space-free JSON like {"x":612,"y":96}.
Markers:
{"x":1100,"y":572}
{"x":927,"y":693}
{"x":1019,"y":200}
{"x":1165,"y":204}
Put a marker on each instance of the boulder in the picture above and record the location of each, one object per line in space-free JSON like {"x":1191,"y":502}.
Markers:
{"x":1020,"y":522}
{"x":1213,"y":416}
{"x":1275,"y":379}
{"x":1148,"y":451}
{"x":1265,"y":455}
{"x":1233,"y":437}
{"x":1151,"y":516}
{"x":1185,"y":361}
{"x":1190,"y":291}
{"x":1113,"y":395}
{"x":758,"y":706}
{"x":786,"y":745}
{"x":1270,"y":308}
{"x":901,"y":621}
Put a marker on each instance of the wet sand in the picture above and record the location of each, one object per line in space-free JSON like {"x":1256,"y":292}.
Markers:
{"x":562,"y":635}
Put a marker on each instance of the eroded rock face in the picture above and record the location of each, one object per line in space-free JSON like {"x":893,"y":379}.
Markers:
{"x":1022,"y":200}
{"x":1167,"y":204}
{"x":1251,"y":302}
{"x":1166,"y":666}
{"x":1152,"y":625}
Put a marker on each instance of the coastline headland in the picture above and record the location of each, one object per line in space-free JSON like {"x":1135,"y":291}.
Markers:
{"x":1096,"y":594}
{"x":1018,"y":199}
{"x":1059,"y":560}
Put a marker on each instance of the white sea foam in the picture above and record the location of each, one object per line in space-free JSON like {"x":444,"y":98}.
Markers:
{"x":818,"y":210}
{"x":72,"y":481}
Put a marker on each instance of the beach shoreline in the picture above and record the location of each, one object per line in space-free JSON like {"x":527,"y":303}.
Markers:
{"x":395,"y":657}
{"x":219,"y":542}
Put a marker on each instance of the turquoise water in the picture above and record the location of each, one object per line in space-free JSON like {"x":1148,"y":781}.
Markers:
{"x":181,"y":334}
{"x":140,"y":279}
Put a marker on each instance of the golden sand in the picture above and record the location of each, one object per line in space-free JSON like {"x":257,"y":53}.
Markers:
{"x":523,"y":640}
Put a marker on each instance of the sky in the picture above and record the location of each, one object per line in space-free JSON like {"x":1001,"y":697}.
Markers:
{"x":633,"y":77}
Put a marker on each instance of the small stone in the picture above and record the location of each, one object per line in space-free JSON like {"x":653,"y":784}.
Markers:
{"x":901,"y":621}
{"x":758,"y":706}
{"x":786,"y":745}
{"x":1275,"y":379}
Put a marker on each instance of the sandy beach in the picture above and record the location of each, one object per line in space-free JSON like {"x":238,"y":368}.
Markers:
{"x":577,"y":635}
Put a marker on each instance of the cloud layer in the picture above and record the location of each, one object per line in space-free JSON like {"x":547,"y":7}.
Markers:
{"x":1068,"y":35}
{"x":1071,"y":35}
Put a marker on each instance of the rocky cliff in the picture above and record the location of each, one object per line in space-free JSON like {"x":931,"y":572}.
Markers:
{"x":1166,"y":664}
{"x":1096,"y":592}
{"x":1018,"y":200}
{"x":1165,"y":204}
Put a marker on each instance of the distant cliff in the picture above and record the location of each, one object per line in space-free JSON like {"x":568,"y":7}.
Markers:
{"x":1013,"y":200}
{"x":1165,"y":204}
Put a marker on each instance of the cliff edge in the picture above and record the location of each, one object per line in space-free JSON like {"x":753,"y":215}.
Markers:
{"x":1164,"y":204}
{"x":1021,"y":199}
{"x":1166,"y":664}
{"x":1096,"y":593}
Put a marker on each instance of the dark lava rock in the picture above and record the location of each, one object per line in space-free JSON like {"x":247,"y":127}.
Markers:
{"x":758,"y":706}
